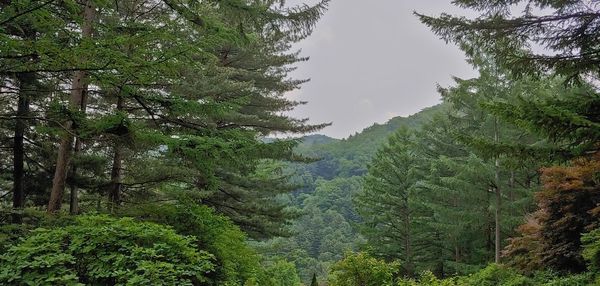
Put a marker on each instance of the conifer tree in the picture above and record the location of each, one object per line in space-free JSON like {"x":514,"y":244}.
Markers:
{"x":314,"y":280}
{"x":388,"y":204}
{"x":178,"y":94}
{"x":455,"y":189}
{"x":567,"y":28}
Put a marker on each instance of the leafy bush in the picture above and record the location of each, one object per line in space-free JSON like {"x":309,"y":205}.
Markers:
{"x":495,"y":275}
{"x":583,"y":279}
{"x":360,"y":269}
{"x":498,"y":275}
{"x":427,"y":279}
{"x":101,"y":250}
{"x":591,"y":248}
{"x":280,"y":273}
{"x":235,"y":261}
{"x":11,"y":233}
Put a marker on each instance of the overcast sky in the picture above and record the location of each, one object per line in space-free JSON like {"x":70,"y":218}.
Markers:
{"x":373,"y":60}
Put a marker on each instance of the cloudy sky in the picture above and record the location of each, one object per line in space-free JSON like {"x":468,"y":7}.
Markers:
{"x":373,"y":60}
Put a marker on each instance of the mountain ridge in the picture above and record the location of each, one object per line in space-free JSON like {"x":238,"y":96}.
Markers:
{"x":349,"y":156}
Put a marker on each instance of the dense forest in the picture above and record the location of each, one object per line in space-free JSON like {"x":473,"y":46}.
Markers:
{"x":148,"y":142}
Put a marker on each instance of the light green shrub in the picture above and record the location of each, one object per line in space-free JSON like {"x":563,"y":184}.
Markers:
{"x":360,"y":269}
{"x":100,"y":250}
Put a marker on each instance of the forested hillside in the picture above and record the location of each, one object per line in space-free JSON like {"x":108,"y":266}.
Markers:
{"x":327,"y":227}
{"x":141,"y":144}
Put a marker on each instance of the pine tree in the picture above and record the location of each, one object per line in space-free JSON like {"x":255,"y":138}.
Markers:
{"x":178,"y":93}
{"x":564,"y":27}
{"x":387,"y":204}
{"x":314,"y":280}
{"x":455,"y":189}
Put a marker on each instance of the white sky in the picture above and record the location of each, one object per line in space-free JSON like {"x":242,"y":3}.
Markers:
{"x":373,"y":60}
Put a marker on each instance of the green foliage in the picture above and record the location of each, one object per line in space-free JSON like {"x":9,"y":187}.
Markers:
{"x":360,"y":269}
{"x":183,"y":92}
{"x":235,"y":261}
{"x":591,"y":248}
{"x":388,"y":204}
{"x":583,"y":279}
{"x":325,"y":197}
{"x":514,"y":36}
{"x":497,"y":275}
{"x":502,"y":38}
{"x":434,"y":197}
{"x":325,"y":230}
{"x":280,"y":273}
{"x":104,"y":250}
{"x":564,"y":114}
{"x":427,"y":278}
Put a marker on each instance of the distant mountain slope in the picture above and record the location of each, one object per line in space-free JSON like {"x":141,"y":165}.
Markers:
{"x":349,"y":157}
{"x":317,"y":139}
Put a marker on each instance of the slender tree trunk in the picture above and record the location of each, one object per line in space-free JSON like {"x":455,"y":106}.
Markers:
{"x":441,"y":270}
{"x":75,"y":102}
{"x":26,"y":85}
{"x":511,"y":192}
{"x":114,"y":193}
{"x":409,"y":265}
{"x":498,"y":196}
{"x":456,"y":252}
{"x":74,"y":196}
{"x":490,"y":224}
{"x":497,"y":221}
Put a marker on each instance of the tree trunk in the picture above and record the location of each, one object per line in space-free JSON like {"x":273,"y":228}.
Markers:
{"x":456,"y":252}
{"x":409,"y":266}
{"x":114,"y":193}
{"x":511,"y":192}
{"x":74,"y":196}
{"x":26,"y":85}
{"x":75,"y":102}
{"x":441,"y":271}
{"x":489,"y":245}
{"x":498,"y":196}
{"x":497,"y":221}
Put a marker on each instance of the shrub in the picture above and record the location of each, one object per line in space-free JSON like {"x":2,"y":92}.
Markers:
{"x":235,"y":261}
{"x":281,"y":273}
{"x":101,"y":250}
{"x":427,"y":278}
{"x":591,"y":248}
{"x":360,"y":269}
{"x":496,"y":275}
{"x":583,"y":279}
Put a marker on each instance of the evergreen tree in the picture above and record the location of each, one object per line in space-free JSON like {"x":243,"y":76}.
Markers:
{"x":161,"y":93}
{"x":567,"y":28}
{"x":456,"y":190}
{"x":314,"y":280}
{"x":387,"y":203}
